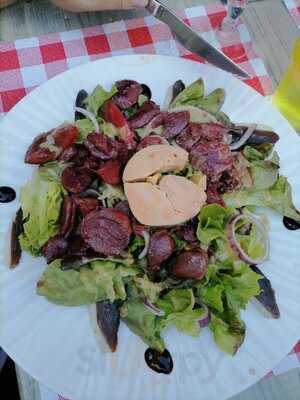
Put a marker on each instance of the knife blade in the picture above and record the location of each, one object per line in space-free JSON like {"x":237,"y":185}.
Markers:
{"x":192,"y":41}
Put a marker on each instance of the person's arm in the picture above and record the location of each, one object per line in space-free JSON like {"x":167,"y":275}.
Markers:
{"x":96,"y":5}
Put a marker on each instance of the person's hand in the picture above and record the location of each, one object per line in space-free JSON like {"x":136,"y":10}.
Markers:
{"x":96,"y":5}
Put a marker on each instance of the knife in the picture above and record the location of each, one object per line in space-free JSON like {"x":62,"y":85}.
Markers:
{"x":192,"y":41}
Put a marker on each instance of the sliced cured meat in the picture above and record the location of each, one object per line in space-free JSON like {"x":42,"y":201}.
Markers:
{"x":174,"y":123}
{"x":67,"y":216}
{"x":110,"y":172}
{"x":91,"y":163}
{"x":211,"y":158}
{"x":81,"y":156}
{"x":104,"y":148}
{"x":200,"y":132}
{"x":86,"y":204}
{"x":55,"y":248}
{"x":76,"y":179}
{"x":138,"y":229}
{"x":145,"y":114}
{"x":101,"y":146}
{"x":77,"y":247}
{"x":128,"y":93}
{"x":65,"y":136}
{"x":149,"y":141}
{"x":187,"y":232}
{"x":190,"y":265}
{"x":106,"y":231}
{"x":161,"y":247}
{"x":123,"y":206}
{"x":39,"y":155}
{"x":213,"y":196}
{"x":212,"y":132}
{"x":68,"y":154}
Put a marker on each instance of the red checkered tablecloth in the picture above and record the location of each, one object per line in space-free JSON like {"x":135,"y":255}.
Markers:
{"x":27,"y":63}
{"x":293,"y":7}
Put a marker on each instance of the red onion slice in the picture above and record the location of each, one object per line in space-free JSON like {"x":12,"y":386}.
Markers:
{"x":151,"y":307}
{"x":243,"y":139}
{"x":90,"y":116}
{"x":235,"y":245}
{"x":206,"y":317}
{"x":144,"y":252}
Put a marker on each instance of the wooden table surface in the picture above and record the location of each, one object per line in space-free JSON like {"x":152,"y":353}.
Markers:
{"x":273,"y":33}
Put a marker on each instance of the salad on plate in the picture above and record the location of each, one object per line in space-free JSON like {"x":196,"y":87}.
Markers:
{"x":153,"y":215}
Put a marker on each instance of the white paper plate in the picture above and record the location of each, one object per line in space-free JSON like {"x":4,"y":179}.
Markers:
{"x":56,"y":345}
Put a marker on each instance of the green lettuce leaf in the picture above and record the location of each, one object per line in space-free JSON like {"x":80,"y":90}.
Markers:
{"x":52,"y":171}
{"x":264,"y":172}
{"x":98,"y":97}
{"x":278,"y":198}
{"x":94,"y":282}
{"x":143,"y":323}
{"x":111,"y":194}
{"x":190,"y":94}
{"x":85,"y":127}
{"x":212,"y":295}
{"x":137,"y":243}
{"x":41,"y":200}
{"x":228,"y":335}
{"x":258,"y":152}
{"x":147,"y":289}
{"x":178,"y":306}
{"x":212,"y":221}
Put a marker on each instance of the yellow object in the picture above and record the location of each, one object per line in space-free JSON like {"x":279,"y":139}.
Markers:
{"x":287,"y":95}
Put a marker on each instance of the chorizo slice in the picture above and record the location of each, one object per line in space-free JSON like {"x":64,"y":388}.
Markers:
{"x":76,"y":179}
{"x":86,"y":204}
{"x":110,"y":172}
{"x":67,"y":217}
{"x":106,"y":231}
{"x":190,"y":265}
{"x":37,"y":154}
{"x":55,"y":248}
{"x":161,"y":247}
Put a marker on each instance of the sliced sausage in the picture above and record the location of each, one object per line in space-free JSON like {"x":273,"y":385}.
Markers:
{"x":55,"y":248}
{"x":65,"y":136}
{"x":175,"y":122}
{"x":161,"y":247}
{"x":39,"y":155}
{"x":77,"y":247}
{"x":187,"y":232}
{"x":128,"y":93}
{"x":106,"y":231}
{"x":190,"y":265}
{"x":123,"y":206}
{"x":67,"y":216}
{"x":145,"y":114}
{"x":76,"y":179}
{"x":150,"y":141}
{"x":110,"y":172}
{"x":86,"y":204}
{"x":68,"y":154}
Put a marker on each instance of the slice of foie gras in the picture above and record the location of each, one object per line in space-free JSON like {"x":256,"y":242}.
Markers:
{"x":174,"y":201}
{"x":154,"y":159}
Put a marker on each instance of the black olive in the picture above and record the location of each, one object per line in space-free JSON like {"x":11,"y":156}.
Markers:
{"x":159,"y":362}
{"x":7,"y":194}
{"x":290,"y":224}
{"x":79,"y":102}
{"x":178,"y":87}
{"x":146,"y":91}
